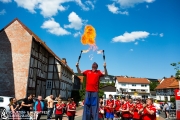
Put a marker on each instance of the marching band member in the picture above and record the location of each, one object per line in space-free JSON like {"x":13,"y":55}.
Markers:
{"x":59,"y":110}
{"x":138,"y":106}
{"x":131,"y":109}
{"x":124,"y":109}
{"x":101,"y":110}
{"x":109,"y":108}
{"x":116,"y":108}
{"x":149,"y":110}
{"x":71,"y":109}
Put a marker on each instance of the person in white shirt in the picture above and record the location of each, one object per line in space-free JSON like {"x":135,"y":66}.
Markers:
{"x":158,"y":108}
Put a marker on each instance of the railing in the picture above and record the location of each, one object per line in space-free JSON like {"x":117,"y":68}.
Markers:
{"x":165,"y":93}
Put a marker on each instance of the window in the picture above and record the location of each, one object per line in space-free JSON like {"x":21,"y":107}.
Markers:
{"x":123,"y":84}
{"x":133,"y":90}
{"x":49,"y":84}
{"x":143,"y":90}
{"x":133,"y":84}
{"x":143,"y":85}
{"x":1,"y":99}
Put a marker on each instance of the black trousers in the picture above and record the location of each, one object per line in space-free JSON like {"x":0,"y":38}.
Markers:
{"x":58,"y":116}
{"x":39,"y":116}
{"x":71,"y":117}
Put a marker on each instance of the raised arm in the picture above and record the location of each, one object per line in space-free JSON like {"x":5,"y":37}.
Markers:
{"x":78,"y":70}
{"x":105,"y":70}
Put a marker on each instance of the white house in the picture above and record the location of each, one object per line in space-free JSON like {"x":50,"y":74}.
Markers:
{"x":165,"y":90}
{"x":109,"y":90}
{"x":135,"y":87}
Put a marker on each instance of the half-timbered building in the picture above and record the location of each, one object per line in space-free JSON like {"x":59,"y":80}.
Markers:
{"x":29,"y":66}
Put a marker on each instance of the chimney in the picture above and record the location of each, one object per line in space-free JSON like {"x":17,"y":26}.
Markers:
{"x":64,"y":61}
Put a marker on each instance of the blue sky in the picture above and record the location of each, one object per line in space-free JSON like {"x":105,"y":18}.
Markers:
{"x":140,"y":37}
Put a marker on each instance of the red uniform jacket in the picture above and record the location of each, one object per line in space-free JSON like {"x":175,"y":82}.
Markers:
{"x":147,"y":115}
{"x":109,"y":106}
{"x":117,"y":104}
{"x":101,"y":114}
{"x":59,"y":109}
{"x":131,"y":108}
{"x":71,"y":108}
{"x":137,"y":108}
{"x":125,"y":107}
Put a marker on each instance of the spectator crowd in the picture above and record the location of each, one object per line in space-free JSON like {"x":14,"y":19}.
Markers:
{"x":32,"y":108}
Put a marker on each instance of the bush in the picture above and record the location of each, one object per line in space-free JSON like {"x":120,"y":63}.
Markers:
{"x":172,"y":99}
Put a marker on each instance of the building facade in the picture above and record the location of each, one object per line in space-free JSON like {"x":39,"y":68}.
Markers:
{"x":28,"y":66}
{"x":135,"y":87}
{"x":165,"y":90}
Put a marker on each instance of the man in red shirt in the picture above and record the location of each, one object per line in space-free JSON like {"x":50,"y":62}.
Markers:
{"x":117,"y":107}
{"x":124,"y":109}
{"x":91,"y":104}
{"x":39,"y":107}
{"x":131,"y":108}
{"x":138,"y":106}
{"x":110,"y":107}
{"x":149,"y":110}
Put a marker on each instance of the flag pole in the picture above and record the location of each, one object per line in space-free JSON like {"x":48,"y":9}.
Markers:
{"x":79,"y":56}
{"x":103,"y":56}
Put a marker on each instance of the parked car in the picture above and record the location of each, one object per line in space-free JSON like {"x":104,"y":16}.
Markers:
{"x":4,"y":106}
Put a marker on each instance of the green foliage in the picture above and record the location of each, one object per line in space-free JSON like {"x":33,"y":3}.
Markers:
{"x":172,"y":99}
{"x":153,"y":85}
{"x":76,"y":95}
{"x":101,"y":93}
{"x":176,"y":67}
{"x":82,"y":94}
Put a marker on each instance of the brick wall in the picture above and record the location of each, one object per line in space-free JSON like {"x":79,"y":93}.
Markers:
{"x":14,"y":63}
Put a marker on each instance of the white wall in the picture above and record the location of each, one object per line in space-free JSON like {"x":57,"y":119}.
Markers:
{"x":159,"y":97}
{"x":128,"y":87}
{"x":108,"y":93}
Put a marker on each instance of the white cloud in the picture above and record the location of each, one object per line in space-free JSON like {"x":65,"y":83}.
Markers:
{"x":77,"y":34}
{"x":131,"y":50}
{"x":82,"y":5}
{"x":136,"y":43}
{"x":2,"y":12}
{"x":30,"y":5}
{"x":5,"y":1}
{"x":112,"y":8}
{"x":48,"y":8}
{"x":154,"y":34}
{"x":161,"y":34}
{"x":51,"y":7}
{"x":90,"y":3}
{"x":54,"y":28}
{"x":130,"y":37}
{"x":131,"y":3}
{"x":75,"y":21}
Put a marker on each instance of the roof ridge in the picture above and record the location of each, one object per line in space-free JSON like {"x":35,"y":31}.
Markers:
{"x":38,"y":40}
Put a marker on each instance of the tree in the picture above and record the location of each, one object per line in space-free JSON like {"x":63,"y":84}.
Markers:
{"x":153,"y":85}
{"x":176,"y":67}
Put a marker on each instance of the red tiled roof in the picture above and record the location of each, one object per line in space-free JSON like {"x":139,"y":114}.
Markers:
{"x":166,"y":83}
{"x":81,"y":78}
{"x":133,"y":80}
{"x":38,"y":40}
{"x":175,"y":84}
